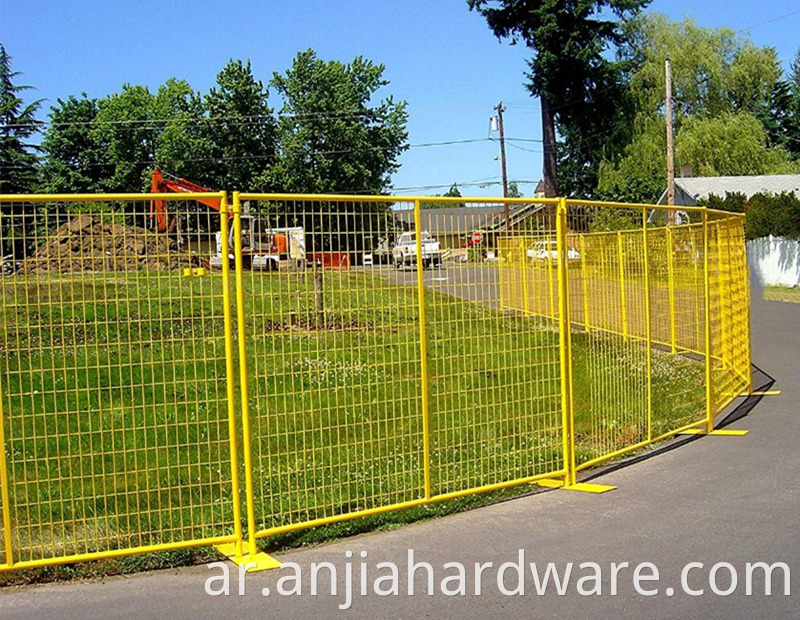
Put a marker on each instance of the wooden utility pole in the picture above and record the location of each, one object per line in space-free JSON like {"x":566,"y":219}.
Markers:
{"x":500,"y":109}
{"x":670,"y":148}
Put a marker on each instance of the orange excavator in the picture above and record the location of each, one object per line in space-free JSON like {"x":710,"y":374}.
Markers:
{"x":263,"y":247}
{"x":164,"y":183}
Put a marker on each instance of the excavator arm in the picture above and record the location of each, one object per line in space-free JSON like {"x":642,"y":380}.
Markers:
{"x":162,"y":183}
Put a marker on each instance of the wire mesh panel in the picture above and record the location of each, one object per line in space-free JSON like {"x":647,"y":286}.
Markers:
{"x":113,"y":379}
{"x":729,"y":300}
{"x":611,"y":362}
{"x":390,"y":352}
{"x":675,"y":259}
{"x":494,"y":374}
{"x":332,"y":339}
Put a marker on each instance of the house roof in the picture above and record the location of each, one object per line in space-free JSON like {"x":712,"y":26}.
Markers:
{"x":463,"y":220}
{"x":692,"y":189}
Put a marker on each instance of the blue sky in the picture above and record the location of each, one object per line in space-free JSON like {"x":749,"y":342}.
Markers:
{"x":439,"y":56}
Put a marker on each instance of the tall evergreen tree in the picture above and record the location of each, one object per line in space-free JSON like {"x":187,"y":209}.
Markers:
{"x":569,"y":69}
{"x":18,"y":157}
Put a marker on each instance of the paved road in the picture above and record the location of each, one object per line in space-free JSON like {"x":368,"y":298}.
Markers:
{"x":712,"y":500}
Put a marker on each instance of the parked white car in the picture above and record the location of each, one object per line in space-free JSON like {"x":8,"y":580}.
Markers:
{"x":548,"y":250}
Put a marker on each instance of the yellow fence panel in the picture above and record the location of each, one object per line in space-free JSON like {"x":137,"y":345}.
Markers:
{"x":494,"y":377}
{"x":370,"y":353}
{"x":637,"y":294}
{"x":333,"y":363}
{"x":115,"y":411}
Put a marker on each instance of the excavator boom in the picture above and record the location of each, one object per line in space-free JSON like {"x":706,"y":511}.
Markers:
{"x":162,"y":183}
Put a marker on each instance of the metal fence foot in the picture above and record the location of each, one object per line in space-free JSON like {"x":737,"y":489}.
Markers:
{"x":262,"y":561}
{"x":587,"y":487}
{"x":700,"y":431}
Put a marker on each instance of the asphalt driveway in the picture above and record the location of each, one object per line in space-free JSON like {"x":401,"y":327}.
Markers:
{"x":711,"y":500}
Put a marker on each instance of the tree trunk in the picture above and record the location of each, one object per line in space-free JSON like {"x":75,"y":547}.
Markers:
{"x":549,"y":137}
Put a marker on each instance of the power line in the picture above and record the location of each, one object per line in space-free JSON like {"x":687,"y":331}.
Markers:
{"x":96,"y":164}
{"x":769,"y":21}
{"x":230,"y":119}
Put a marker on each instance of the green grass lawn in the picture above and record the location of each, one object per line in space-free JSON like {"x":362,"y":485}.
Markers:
{"x":115,"y":404}
{"x":782,"y":293}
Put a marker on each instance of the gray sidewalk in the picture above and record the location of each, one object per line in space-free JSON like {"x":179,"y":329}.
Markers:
{"x":715,"y":499}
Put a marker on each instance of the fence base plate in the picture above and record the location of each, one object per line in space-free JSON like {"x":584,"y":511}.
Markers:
{"x":587,"y":487}
{"x":549,"y":483}
{"x":262,"y":561}
{"x":724,"y":433}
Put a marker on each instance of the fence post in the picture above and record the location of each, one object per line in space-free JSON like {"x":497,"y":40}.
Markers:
{"x":565,"y":346}
{"x":585,"y":282}
{"x":4,"y":497}
{"x":745,"y":272}
{"x":423,"y":352}
{"x":648,"y":327}
{"x":248,"y":463}
{"x":707,"y":326}
{"x":526,"y":304}
{"x":4,"y":489}
{"x":623,"y":300}
{"x":671,"y":291}
{"x":229,"y":371}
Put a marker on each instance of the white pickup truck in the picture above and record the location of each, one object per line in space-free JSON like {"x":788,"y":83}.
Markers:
{"x":404,"y":251}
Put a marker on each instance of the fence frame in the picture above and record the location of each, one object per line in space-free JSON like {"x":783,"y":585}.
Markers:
{"x":240,"y":545}
{"x":9,"y":563}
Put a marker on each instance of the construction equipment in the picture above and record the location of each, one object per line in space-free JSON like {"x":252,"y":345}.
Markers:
{"x":263,"y":246}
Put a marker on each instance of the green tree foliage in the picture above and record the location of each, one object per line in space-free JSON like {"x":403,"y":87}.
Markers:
{"x":240,"y":130}
{"x":453,"y":192}
{"x":733,"y":202}
{"x":570,"y":72}
{"x":723,"y":92}
{"x":18,"y":157}
{"x":514,"y":191}
{"x":714,"y":71}
{"x":783,"y":121}
{"x":767,"y":214}
{"x":18,"y":160}
{"x":640,"y":174}
{"x":332,"y":138}
{"x":74,"y":157}
{"x":182,"y":145}
{"x":126,"y":126}
{"x":777,"y":215}
{"x":730,"y":144}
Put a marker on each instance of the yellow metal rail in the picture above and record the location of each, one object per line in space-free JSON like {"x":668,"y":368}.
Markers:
{"x":350,"y":355}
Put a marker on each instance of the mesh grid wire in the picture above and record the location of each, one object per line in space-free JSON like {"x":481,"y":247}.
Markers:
{"x":610,"y":360}
{"x":113,"y":374}
{"x":494,"y":374}
{"x":729,"y":317}
{"x":624,"y":395}
{"x":334,"y":374}
{"x":113,"y":380}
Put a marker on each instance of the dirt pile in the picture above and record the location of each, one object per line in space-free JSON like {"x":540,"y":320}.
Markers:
{"x":85,"y":244}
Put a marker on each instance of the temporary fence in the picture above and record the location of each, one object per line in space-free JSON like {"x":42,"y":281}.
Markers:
{"x":285,"y":361}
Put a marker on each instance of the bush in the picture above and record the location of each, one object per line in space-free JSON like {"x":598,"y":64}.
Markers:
{"x":767,"y":214}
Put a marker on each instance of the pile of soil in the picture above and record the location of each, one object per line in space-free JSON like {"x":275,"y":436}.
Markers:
{"x":84,"y":244}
